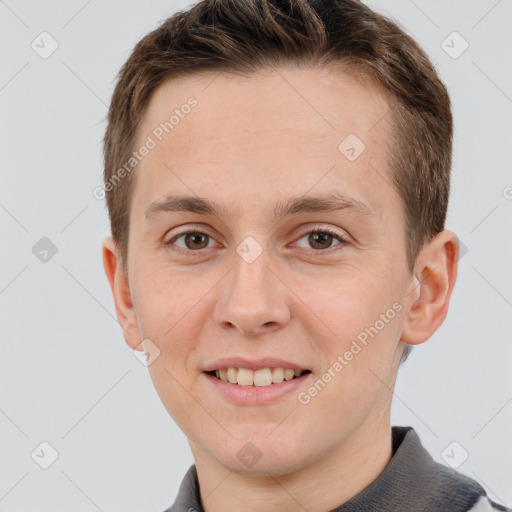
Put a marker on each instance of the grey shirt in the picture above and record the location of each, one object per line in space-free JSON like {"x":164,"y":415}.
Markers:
{"x":411,"y":482}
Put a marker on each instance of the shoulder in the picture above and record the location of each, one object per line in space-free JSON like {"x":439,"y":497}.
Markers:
{"x":188,"y":498}
{"x":484,"y":504}
{"x":432,"y":485}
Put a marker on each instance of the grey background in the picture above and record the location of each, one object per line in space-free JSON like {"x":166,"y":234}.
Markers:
{"x":66,"y":375}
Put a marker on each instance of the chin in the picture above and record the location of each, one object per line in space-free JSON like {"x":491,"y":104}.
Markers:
{"x":265,"y":467}
{"x":264,"y":457}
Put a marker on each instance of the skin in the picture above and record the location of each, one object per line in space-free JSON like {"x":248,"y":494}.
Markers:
{"x":251,"y":142}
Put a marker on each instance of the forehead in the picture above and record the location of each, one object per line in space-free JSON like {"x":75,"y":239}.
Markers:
{"x":278,"y":132}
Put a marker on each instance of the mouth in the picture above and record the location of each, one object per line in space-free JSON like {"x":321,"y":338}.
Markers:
{"x":263,"y":377}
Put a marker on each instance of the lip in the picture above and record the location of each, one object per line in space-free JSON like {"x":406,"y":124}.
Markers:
{"x":256,"y":395}
{"x":253,"y":364}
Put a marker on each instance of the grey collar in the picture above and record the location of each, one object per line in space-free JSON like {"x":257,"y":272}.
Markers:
{"x":412,"y":481}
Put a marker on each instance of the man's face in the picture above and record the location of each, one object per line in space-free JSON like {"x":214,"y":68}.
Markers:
{"x":272,"y":290}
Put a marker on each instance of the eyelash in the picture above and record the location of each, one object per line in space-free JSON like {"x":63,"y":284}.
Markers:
{"x":190,"y":252}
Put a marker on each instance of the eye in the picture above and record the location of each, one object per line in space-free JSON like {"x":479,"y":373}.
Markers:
{"x":192,"y":240}
{"x":322,"y":239}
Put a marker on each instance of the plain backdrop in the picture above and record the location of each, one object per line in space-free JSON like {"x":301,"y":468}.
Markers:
{"x":66,"y":376}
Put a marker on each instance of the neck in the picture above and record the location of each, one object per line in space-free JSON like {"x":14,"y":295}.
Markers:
{"x":323,"y":485}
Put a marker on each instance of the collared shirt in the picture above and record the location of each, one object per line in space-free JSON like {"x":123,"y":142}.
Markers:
{"x":411,"y":482}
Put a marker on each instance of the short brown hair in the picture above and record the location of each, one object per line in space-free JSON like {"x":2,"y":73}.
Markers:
{"x":246,"y":36}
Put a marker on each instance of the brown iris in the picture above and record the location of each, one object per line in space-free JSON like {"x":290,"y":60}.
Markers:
{"x":319,"y":238}
{"x":196,"y":240}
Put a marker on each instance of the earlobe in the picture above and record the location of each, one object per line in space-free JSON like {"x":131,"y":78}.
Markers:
{"x":119,"y":285}
{"x":435,"y":276}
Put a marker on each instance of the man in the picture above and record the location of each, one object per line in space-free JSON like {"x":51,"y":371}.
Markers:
{"x":277,"y":177}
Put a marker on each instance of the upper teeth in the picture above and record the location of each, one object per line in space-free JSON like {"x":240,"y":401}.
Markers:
{"x":262,"y":377}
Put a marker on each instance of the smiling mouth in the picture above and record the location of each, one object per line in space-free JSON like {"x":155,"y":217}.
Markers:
{"x":261,"y":378}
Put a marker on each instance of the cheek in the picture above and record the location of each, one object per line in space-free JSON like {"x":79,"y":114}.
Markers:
{"x":350,"y":302}
{"x":169,"y":313}
{"x":364,"y":319}
{"x":170,"y":382}
{"x":163,"y":300}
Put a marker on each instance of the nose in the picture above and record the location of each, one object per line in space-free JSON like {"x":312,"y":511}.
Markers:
{"x":253,"y":299}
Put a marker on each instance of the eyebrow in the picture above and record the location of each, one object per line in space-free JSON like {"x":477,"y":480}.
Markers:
{"x":331,"y":202}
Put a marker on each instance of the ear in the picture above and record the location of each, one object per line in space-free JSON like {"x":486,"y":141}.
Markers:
{"x":435,"y":275}
{"x":121,"y":292}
